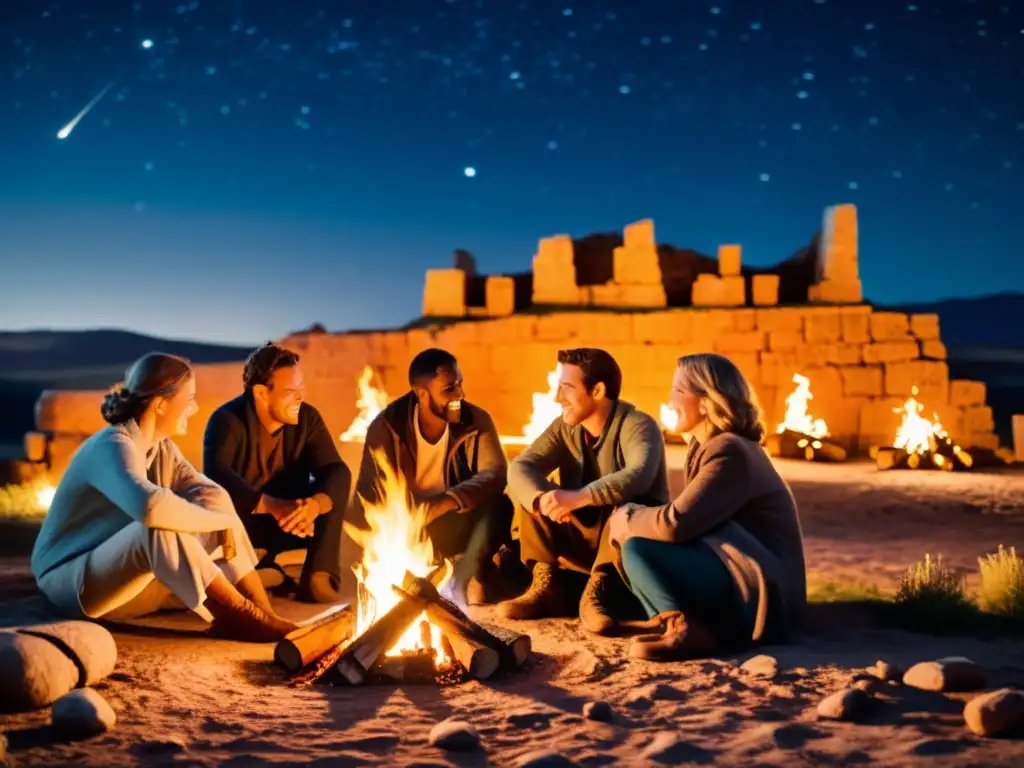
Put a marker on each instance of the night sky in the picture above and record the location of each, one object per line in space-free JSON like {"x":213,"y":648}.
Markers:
{"x":258,"y":165}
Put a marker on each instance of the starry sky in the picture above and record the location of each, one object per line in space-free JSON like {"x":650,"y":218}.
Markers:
{"x":248,"y":167}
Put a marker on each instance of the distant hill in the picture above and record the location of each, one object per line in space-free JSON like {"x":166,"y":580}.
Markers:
{"x":31,"y":361}
{"x":985,"y":321}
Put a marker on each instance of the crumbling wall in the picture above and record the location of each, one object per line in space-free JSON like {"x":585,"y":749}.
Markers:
{"x":861,"y":364}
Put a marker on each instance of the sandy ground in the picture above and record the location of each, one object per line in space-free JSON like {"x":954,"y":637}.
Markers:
{"x":183,"y":699}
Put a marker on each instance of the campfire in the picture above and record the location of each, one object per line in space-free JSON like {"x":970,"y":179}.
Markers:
{"x":799,"y":436}
{"x":545,"y":410}
{"x":669,"y":424}
{"x":370,"y":402}
{"x":31,"y":499}
{"x":401,"y":629}
{"x":921,"y":444}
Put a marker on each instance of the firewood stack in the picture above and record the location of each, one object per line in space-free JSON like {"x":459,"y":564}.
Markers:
{"x":942,"y":453}
{"x":789,"y":444}
{"x":327,"y":652}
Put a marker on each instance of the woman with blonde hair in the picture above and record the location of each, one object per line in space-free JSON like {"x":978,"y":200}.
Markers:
{"x":721,"y":566}
{"x":132,"y":523}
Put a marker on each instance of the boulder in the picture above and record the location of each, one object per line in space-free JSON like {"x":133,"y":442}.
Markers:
{"x":847,"y":704}
{"x":952,"y":674}
{"x":33,"y":672}
{"x":85,"y":642}
{"x":999,"y":713}
{"x":81,"y":714}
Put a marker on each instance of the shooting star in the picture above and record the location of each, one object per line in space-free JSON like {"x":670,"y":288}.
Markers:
{"x":64,"y":132}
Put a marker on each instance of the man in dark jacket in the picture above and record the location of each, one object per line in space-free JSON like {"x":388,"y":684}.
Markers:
{"x":275,"y":457}
{"x":607,"y":453}
{"x":448,"y":452}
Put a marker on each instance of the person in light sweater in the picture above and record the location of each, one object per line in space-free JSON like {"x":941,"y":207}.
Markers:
{"x":721,"y":566}
{"x":133,"y":525}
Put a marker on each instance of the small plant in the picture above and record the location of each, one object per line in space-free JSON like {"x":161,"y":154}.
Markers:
{"x":1001,"y":590}
{"x":932,"y":597}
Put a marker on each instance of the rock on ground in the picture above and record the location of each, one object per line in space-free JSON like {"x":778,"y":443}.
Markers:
{"x":454,"y":736}
{"x":847,"y":704}
{"x":600,"y":711}
{"x":33,"y":672}
{"x":953,"y":674}
{"x":81,"y":714}
{"x":999,"y":713}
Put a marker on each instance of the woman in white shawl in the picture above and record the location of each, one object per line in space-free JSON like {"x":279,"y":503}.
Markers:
{"x":132,"y":522}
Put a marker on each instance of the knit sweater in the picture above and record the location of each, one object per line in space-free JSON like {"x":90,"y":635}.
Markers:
{"x":112,"y":482}
{"x":628,"y":466}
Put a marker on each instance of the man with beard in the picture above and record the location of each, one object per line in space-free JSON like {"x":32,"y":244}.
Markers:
{"x":448,"y":453}
{"x":273,"y":454}
{"x":607,"y":453}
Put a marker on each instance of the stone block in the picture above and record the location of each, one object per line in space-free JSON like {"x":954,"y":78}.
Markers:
{"x":836,"y":292}
{"x":765,"y":289}
{"x":749,"y":365}
{"x":445,"y":293}
{"x":986,"y":441}
{"x":667,"y":327}
{"x":814,"y":354}
{"x":890,"y":351}
{"x":70,"y":411}
{"x":838,"y":246}
{"x":879,"y":421}
{"x":790,"y":320}
{"x":501,"y":296}
{"x":978,"y":418}
{"x":1018,"y":437}
{"x":862,"y":380}
{"x":889,"y":326}
{"x":560,"y":327}
{"x":35,"y":446}
{"x":639,"y":235}
{"x":729,"y":258}
{"x":822,"y":328}
{"x":598,"y":329}
{"x":780,"y":340}
{"x":636,"y":266}
{"x":642,"y":296}
{"x":507,"y":330}
{"x":554,"y":272}
{"x":931,"y":377}
{"x":925,"y":326}
{"x":856,"y":328}
{"x":714,"y":291}
{"x":735,"y":341}
{"x":744,"y":320}
{"x":845,"y":354}
{"x":933,"y":349}
{"x":777,"y":368}
{"x":963,"y":392}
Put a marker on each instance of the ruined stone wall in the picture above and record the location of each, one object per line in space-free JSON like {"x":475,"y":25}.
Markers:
{"x":862,"y":364}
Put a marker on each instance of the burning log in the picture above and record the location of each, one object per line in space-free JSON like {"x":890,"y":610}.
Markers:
{"x":922,"y":443}
{"x":510,"y":649}
{"x":307,"y":644}
{"x":478,"y":659}
{"x":360,"y":656}
{"x":789,"y":444}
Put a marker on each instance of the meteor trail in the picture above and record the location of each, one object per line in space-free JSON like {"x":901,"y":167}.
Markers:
{"x":64,"y":132}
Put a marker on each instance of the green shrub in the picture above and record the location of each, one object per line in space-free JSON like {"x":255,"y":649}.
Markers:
{"x":931,"y":598}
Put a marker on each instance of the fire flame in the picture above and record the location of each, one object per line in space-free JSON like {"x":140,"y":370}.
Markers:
{"x":32,"y":498}
{"x":669,"y":418}
{"x":797,"y":418}
{"x":394,"y":542}
{"x":371,"y":401}
{"x":545,"y":410}
{"x":917,"y":435}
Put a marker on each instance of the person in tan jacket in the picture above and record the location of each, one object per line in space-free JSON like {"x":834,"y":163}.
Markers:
{"x":722,"y":565}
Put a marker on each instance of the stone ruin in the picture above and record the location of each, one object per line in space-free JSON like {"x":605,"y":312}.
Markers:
{"x":647,"y":306}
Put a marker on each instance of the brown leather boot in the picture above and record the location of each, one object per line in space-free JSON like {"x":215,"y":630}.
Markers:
{"x":680,"y":639}
{"x":544,"y":599}
{"x":596,"y":604}
{"x":251,"y":587}
{"x":235,"y":617}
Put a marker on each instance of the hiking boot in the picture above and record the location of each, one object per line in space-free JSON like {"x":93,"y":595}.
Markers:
{"x":680,"y":639}
{"x":596,"y":604}
{"x":238,"y":618}
{"x":544,"y":599}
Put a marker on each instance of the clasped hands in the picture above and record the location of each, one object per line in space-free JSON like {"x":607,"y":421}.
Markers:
{"x":559,"y":505}
{"x":294,"y":516}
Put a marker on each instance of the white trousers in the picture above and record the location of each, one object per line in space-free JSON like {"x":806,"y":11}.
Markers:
{"x":141,"y":570}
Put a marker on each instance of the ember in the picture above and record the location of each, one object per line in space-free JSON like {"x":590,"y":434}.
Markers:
{"x":370,"y":402}
{"x":922,"y":444}
{"x":799,"y":436}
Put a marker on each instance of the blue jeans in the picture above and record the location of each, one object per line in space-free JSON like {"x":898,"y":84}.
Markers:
{"x":681,"y":577}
